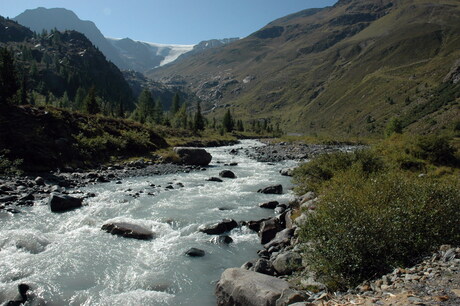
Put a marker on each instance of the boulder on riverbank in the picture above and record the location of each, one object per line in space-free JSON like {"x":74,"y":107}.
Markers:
{"x":193,"y":156}
{"x":242,"y":287}
{"x":63,"y":203}
{"x":128,"y":230}
{"x":275,"y":189}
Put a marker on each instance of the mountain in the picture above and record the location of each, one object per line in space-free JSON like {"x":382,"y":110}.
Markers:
{"x":345,"y":69}
{"x":40,"y":19}
{"x":125,"y":53}
{"x":141,"y":56}
{"x":57,"y":64}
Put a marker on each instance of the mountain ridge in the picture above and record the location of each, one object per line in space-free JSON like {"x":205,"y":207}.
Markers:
{"x":345,"y":69}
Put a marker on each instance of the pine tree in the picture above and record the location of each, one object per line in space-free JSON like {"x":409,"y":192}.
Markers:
{"x":90,"y":105}
{"x":158,"y":112}
{"x":239,"y":126}
{"x":120,"y":110}
{"x":180,"y":119}
{"x":8,"y":78}
{"x":227,"y":122}
{"x":23,"y":90}
{"x":79,"y":98}
{"x":198,"y":123}
{"x":175,"y":104}
{"x":145,"y":107}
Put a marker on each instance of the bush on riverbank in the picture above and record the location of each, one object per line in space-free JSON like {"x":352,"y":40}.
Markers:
{"x":375,"y":213}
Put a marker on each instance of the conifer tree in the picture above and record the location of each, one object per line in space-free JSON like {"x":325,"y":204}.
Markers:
{"x":175,"y":106}
{"x":8,"y":78}
{"x":145,"y":107}
{"x":158,"y":112}
{"x":90,"y":105}
{"x":198,"y":122}
{"x":227,"y":122}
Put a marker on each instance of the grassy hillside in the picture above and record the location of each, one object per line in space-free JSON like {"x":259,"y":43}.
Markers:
{"x":346,"y":69}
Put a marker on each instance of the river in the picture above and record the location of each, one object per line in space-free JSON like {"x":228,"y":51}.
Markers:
{"x":68,"y":260}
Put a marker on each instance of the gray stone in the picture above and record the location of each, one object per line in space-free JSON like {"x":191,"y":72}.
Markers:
{"x":193,"y":156}
{"x":268,"y":230}
{"x":225,"y":225}
{"x":269,"y":205}
{"x":194,"y":252}
{"x":288,"y":262}
{"x":227,"y":174}
{"x":281,"y":238}
{"x":276,"y":189}
{"x":39,"y":181}
{"x":264,"y":266}
{"x":242,"y":287}
{"x":214,"y":179}
{"x":222,"y":239}
{"x":63,"y":203}
{"x":128,"y":230}
{"x":290,"y":296}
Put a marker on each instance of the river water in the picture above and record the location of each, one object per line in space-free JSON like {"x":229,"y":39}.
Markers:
{"x":68,"y":260}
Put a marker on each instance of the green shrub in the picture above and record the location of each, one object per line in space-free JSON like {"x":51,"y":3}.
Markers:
{"x":312,"y":175}
{"x":9,"y":167}
{"x":436,"y":149}
{"x":366,"y":226}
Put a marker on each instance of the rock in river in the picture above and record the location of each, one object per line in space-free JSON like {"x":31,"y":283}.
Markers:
{"x":225,"y":225}
{"x":193,"y":156}
{"x":194,"y":252}
{"x":62,"y":203}
{"x":242,"y":287}
{"x":128,"y":230}
{"x":276,"y":189}
{"x":227,"y":174}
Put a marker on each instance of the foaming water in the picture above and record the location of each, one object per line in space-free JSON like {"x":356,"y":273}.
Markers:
{"x":69,"y":260}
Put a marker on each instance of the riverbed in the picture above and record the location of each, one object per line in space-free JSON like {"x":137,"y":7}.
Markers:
{"x":68,"y":260}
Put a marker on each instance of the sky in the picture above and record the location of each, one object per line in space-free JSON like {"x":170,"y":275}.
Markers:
{"x":172,"y":21}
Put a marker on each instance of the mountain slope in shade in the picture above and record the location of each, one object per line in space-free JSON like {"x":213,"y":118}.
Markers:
{"x":342,"y":69}
{"x":40,"y":19}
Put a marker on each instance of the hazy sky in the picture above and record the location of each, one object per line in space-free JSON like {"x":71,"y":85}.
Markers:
{"x":172,"y":21}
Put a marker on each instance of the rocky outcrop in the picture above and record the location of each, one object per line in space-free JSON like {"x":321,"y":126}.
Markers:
{"x":269,"y":205}
{"x":193,"y":156}
{"x":224,"y":226}
{"x":63,"y":203}
{"x":128,"y":230}
{"x":287,"y":262}
{"x":242,"y":287}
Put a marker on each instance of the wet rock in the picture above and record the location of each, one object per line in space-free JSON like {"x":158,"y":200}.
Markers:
{"x":128,"y":230}
{"x":282,"y":238}
{"x":39,"y":181}
{"x":287,"y":172}
{"x":280,"y":208}
{"x":8,"y":199}
{"x":219,"y":228}
{"x":22,"y":297}
{"x":214,"y":179}
{"x":193,"y":156}
{"x":227,"y":174}
{"x":255,"y":225}
{"x":247,"y":265}
{"x":242,"y":287}
{"x":222,"y":239}
{"x":288,"y":262}
{"x":63,"y":203}
{"x":276,"y":189}
{"x":269,"y":205}
{"x":194,"y":252}
{"x":268,"y":230}
{"x":264,"y":266}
